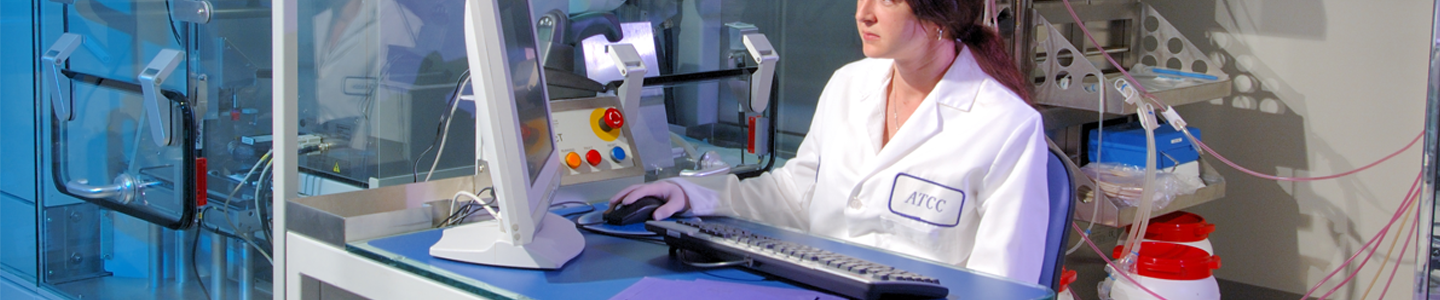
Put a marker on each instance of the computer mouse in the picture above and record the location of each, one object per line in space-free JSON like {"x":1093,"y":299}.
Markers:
{"x":639,"y":211}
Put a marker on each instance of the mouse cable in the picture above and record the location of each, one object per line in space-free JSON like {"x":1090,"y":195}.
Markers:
{"x":681,"y":258}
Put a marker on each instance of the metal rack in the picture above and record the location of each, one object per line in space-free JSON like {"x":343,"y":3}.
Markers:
{"x":1073,"y":81}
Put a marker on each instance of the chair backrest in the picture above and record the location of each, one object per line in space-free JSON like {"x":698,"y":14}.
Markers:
{"x":1062,"y":208}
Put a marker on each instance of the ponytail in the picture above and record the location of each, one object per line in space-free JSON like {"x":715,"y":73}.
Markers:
{"x":962,"y":20}
{"x":989,"y":50}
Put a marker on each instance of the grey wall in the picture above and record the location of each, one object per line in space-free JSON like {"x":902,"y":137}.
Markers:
{"x":1322,"y":87}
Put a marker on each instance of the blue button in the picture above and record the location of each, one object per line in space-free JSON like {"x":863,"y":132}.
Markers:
{"x":617,"y":153}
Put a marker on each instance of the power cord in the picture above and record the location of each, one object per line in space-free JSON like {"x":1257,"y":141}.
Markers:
{"x":169,"y":16}
{"x":264,"y":160}
{"x":194,"y":250}
{"x":441,"y":130}
{"x":462,"y":212}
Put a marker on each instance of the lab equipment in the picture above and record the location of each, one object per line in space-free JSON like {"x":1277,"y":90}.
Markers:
{"x":596,"y":135}
{"x":145,"y":120}
{"x":1184,"y":228}
{"x":512,"y":100}
{"x":1173,"y":271}
{"x":837,"y":273}
{"x":155,"y":191}
{"x":1124,"y":184}
{"x":594,"y":138}
{"x":1125,"y":144}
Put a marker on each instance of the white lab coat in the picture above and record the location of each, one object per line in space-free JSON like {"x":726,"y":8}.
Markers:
{"x":971,"y":140}
{"x":347,"y":66}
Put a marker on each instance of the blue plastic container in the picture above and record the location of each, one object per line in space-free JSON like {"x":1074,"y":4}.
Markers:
{"x":1125,"y":144}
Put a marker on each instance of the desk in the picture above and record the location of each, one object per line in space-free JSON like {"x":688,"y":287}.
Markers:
{"x":610,"y":264}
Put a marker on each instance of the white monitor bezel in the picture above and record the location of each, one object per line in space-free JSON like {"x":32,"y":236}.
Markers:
{"x":523,"y":203}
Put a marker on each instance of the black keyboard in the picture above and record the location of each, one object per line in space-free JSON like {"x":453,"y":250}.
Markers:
{"x":843,"y":275}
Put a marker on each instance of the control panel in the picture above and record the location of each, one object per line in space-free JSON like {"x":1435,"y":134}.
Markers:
{"x":594,"y":140}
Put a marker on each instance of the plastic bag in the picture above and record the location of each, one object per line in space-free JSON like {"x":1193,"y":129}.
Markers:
{"x":1123,"y":184}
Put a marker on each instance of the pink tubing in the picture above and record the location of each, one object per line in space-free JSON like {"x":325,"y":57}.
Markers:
{"x":1112,"y":264}
{"x":1212,"y":152}
{"x":1373,"y":240}
{"x":1257,"y":174}
{"x":1402,"y":254}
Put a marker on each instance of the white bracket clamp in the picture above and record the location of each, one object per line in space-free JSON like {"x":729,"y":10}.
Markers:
{"x":55,"y":59}
{"x":761,"y":81}
{"x":151,"y":77}
{"x":633,"y":68}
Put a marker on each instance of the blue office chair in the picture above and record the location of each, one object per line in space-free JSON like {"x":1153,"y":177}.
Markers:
{"x":1062,"y":199}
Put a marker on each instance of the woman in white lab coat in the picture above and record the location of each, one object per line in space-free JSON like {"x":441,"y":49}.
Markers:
{"x":927,"y":147}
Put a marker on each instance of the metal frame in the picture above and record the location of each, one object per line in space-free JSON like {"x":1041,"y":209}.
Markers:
{"x":1425,"y":260}
{"x":363,"y":276}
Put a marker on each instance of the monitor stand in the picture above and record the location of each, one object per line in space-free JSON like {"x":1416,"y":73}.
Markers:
{"x":556,"y":242}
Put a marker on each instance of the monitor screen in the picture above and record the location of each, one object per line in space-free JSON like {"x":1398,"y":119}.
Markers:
{"x":513,"y":136}
{"x":525,"y":75}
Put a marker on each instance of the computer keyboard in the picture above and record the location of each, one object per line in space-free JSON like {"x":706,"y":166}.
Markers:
{"x":836,"y":273}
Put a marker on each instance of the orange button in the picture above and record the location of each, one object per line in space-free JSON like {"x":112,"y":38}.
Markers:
{"x":612,"y":119}
{"x":572,"y":160}
{"x":592,"y":157}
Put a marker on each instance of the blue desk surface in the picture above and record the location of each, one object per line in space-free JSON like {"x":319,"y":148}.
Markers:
{"x":610,"y":264}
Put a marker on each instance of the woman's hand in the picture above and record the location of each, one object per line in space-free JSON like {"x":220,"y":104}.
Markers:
{"x":675,"y":200}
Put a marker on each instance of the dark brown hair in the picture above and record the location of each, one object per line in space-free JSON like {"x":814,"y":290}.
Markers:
{"x":961,"y":19}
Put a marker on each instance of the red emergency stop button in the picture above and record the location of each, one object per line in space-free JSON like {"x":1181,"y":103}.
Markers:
{"x":612,"y":119}
{"x":592,"y":157}
{"x":572,"y":160}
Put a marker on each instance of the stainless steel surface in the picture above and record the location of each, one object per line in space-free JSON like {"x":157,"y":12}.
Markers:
{"x":123,"y":190}
{"x":1426,"y":283}
{"x":179,"y":256}
{"x":247,"y":272}
{"x":218,"y":262}
{"x":340,"y":218}
{"x":156,"y":264}
{"x":73,"y":252}
{"x":1164,"y":36}
{"x":1113,"y":10}
{"x":1080,"y":84}
{"x":1112,"y":215}
{"x":637,"y":169}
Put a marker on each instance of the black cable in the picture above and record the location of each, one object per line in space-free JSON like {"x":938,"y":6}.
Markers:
{"x":439,"y":128}
{"x":468,"y":209}
{"x":649,"y":239}
{"x":680,"y":256}
{"x":707,"y":272}
{"x":194,"y":249}
{"x":592,"y":208}
{"x":171,"y":19}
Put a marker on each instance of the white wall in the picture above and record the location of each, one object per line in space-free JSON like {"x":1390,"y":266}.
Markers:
{"x":1337,"y":84}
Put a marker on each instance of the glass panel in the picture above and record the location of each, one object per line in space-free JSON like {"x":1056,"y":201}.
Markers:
{"x":376,"y":79}
{"x":17,"y":113}
{"x":17,"y":229}
{"x":115,"y":243}
{"x":108,"y":154}
{"x":698,"y":69}
{"x":17,"y":128}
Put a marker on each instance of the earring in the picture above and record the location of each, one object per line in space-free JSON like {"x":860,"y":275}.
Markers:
{"x":940,"y":34}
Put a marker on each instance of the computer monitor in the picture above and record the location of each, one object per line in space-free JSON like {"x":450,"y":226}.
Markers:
{"x":514,"y":141}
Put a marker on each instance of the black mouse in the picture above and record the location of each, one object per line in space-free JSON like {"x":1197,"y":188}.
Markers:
{"x":639,"y":211}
